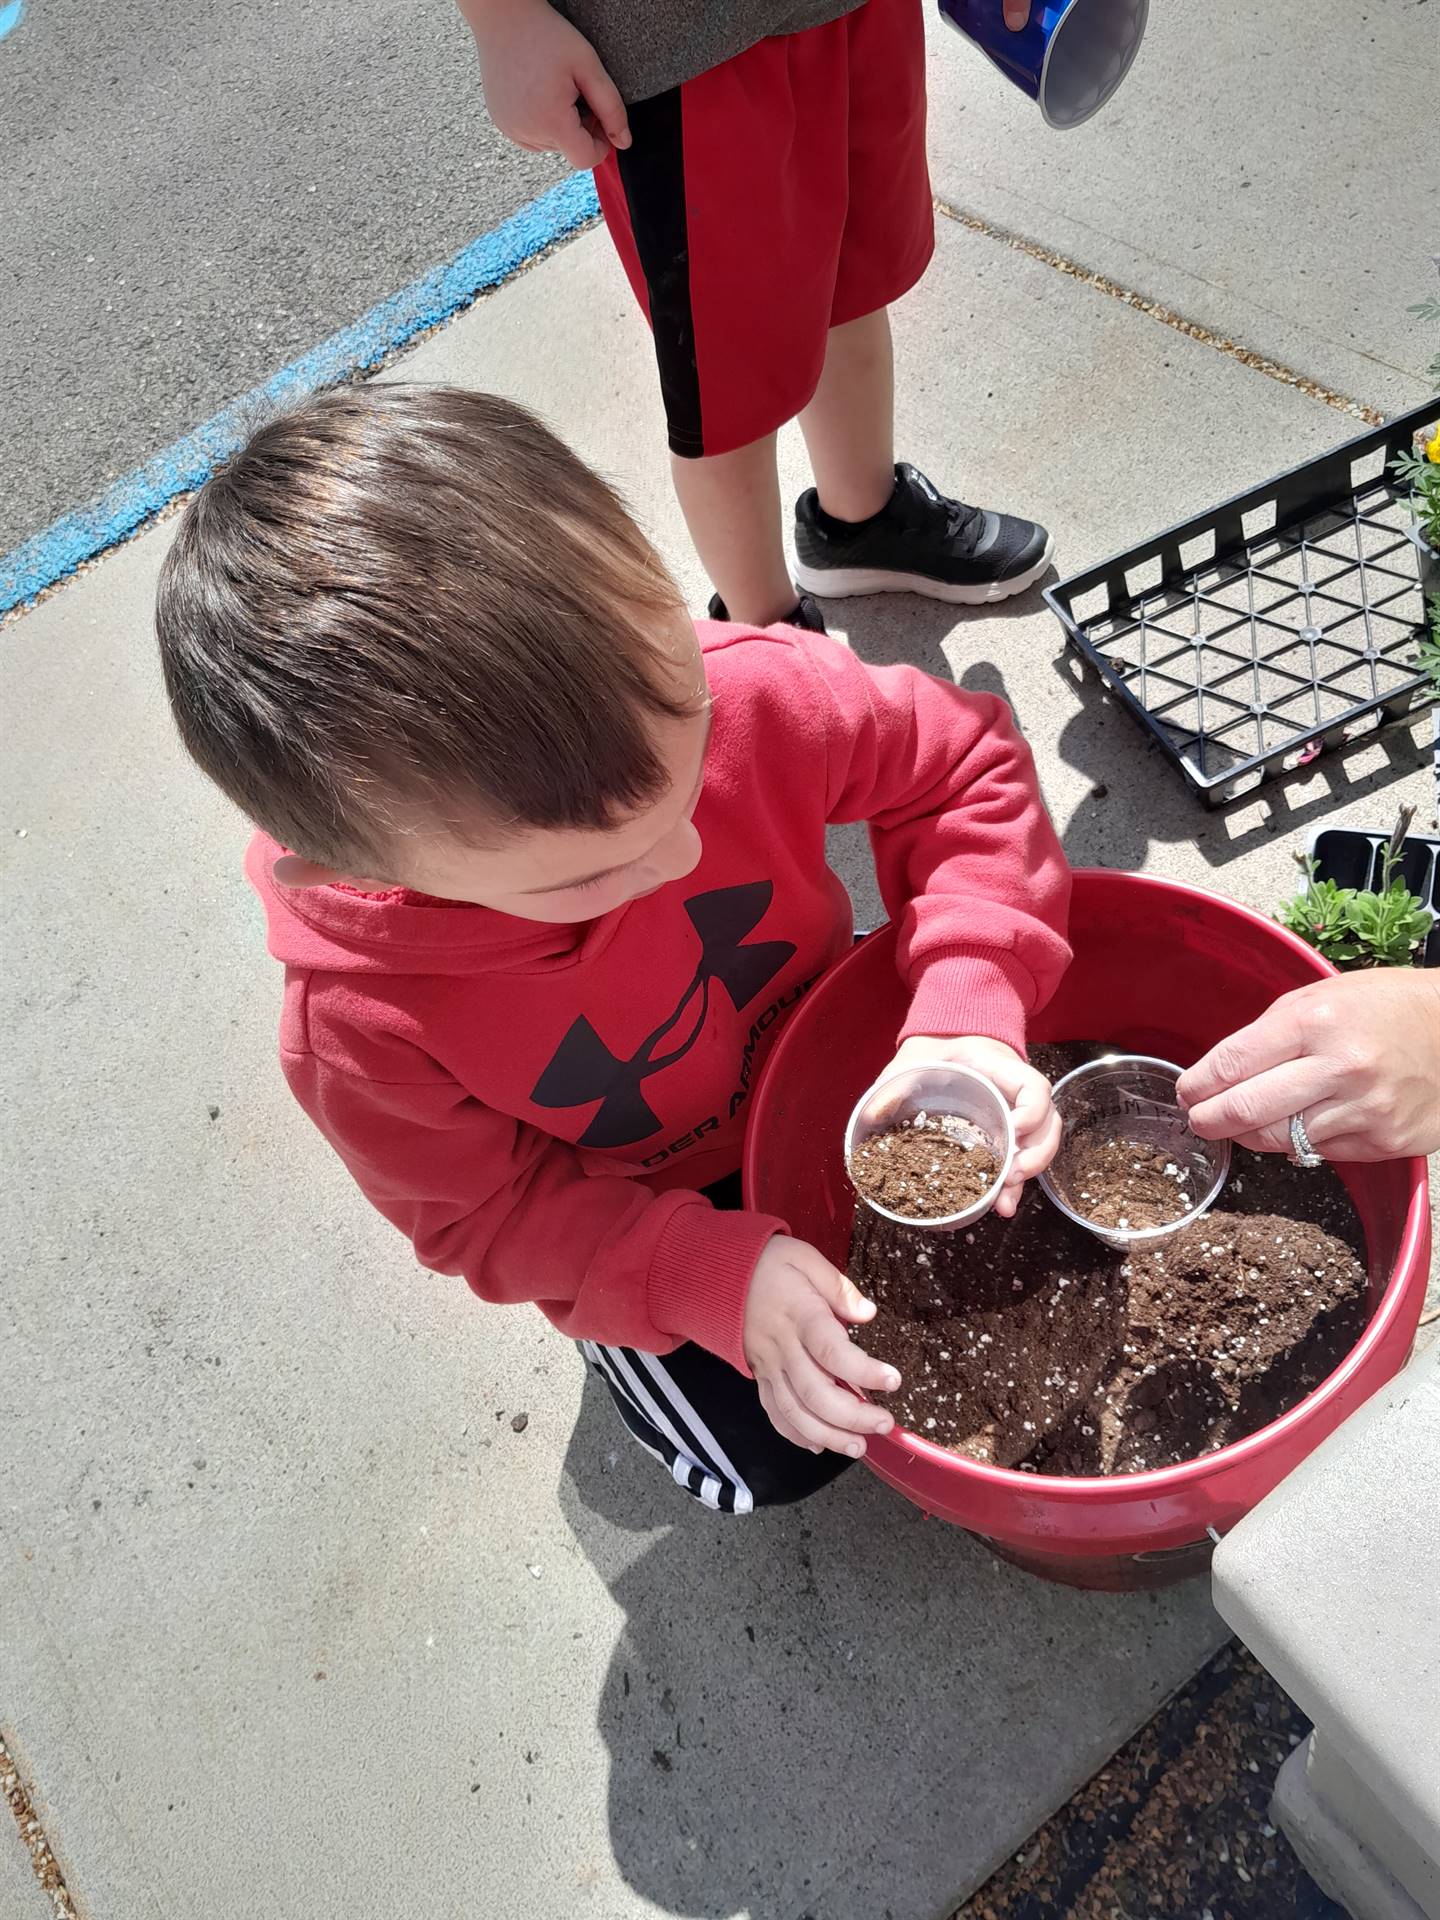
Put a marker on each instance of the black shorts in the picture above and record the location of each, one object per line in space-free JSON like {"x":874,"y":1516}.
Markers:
{"x":704,"y":1423}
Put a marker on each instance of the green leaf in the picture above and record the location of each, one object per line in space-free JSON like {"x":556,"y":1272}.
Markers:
{"x":1363,"y":915}
{"x":1353,"y":927}
{"x":1427,"y":651}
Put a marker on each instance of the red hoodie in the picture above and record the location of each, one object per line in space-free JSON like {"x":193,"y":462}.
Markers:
{"x":535,"y":1106}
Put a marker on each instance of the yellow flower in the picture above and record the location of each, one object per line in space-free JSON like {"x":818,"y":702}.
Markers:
{"x":1432,"y":448}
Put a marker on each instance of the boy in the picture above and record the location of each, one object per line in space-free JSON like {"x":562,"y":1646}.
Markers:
{"x":547,"y":873}
{"x":767,"y":189}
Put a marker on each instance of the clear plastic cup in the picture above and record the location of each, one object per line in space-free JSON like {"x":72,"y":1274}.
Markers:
{"x":937,"y":1087}
{"x":1133,"y":1096}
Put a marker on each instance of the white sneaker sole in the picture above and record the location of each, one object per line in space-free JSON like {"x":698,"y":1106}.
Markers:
{"x":843,"y":583}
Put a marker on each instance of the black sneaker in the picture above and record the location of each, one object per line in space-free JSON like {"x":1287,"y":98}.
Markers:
{"x":919,"y":542}
{"x":806,"y":615}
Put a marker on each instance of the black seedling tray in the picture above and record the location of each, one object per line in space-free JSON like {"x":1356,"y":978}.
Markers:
{"x":1352,"y":858}
{"x":1282,"y":624}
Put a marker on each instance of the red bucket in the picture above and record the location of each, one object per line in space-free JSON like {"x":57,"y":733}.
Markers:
{"x":1159,"y":968}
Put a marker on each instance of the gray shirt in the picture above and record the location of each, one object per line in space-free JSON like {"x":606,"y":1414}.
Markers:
{"x":649,"y":45}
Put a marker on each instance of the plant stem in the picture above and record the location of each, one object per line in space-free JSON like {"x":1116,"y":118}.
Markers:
{"x":1395,"y":852}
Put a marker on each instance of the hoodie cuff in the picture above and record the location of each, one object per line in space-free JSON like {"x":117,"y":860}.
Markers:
{"x":983,"y":994}
{"x":700,"y":1276}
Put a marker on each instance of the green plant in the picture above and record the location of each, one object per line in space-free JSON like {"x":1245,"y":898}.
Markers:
{"x":1354,"y":928}
{"x":1421,"y":473}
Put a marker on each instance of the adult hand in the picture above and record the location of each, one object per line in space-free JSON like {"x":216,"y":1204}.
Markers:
{"x":1017,"y":15}
{"x":797,"y":1348}
{"x":543,"y":81}
{"x":1358,"y":1057}
{"x":1037,"y":1125}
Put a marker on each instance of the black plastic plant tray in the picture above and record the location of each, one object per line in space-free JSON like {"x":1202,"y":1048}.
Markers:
{"x":1271,"y":629}
{"x":1353,"y":858}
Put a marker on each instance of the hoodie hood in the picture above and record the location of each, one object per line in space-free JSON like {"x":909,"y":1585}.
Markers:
{"x":341,"y":930}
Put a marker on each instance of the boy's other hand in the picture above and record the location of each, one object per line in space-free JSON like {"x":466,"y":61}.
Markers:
{"x":1037,"y":1125}
{"x":799,"y":1352}
{"x":1017,"y":15}
{"x":543,"y":81}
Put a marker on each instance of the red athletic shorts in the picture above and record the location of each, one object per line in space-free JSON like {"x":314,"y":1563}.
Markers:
{"x":779,"y":195}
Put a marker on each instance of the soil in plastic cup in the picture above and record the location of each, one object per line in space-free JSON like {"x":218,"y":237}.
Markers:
{"x":938,"y":1089}
{"x":1132,"y":1097}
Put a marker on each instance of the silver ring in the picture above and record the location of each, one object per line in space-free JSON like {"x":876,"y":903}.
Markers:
{"x":1304,"y":1154}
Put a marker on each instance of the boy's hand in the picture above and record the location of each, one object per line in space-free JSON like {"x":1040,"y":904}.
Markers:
{"x":798,"y":1350}
{"x":1037,"y":1125}
{"x":544,"y":84}
{"x":1017,"y":15}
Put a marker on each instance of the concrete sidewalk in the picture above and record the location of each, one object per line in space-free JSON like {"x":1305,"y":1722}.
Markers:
{"x":1262,"y":172}
{"x":292,"y":1622}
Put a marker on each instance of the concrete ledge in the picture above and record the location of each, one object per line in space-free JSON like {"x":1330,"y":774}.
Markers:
{"x":1344,"y":1856}
{"x":1331,"y":1583}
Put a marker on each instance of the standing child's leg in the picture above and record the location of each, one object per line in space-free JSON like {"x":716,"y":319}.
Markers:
{"x":768,"y":213}
{"x":729,"y":212}
{"x":731,"y":503}
{"x":915,"y":538}
{"x":849,"y":426}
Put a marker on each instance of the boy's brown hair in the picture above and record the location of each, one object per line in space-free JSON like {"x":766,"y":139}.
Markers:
{"x":414,"y":604}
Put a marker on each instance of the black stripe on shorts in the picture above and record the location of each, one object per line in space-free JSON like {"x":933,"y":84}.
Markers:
{"x":652,"y":172}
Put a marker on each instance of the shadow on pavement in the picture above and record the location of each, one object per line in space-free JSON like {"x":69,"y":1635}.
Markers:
{"x":797,"y":1699}
{"x":902,"y":629}
{"x":1136,"y":799}
{"x":1133,"y":799}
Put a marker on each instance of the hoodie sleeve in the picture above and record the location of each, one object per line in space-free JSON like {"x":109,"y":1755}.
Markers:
{"x":521,"y":1216}
{"x":969,"y":866}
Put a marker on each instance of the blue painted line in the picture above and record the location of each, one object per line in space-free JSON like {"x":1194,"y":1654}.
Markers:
{"x":10,"y":17}
{"x":132,"y":501}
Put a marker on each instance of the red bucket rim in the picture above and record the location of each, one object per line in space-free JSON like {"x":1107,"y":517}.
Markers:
{"x":1152,"y":1481}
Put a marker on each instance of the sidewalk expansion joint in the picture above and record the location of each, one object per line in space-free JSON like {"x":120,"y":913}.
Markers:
{"x":1142,"y":303}
{"x":32,"y":1835}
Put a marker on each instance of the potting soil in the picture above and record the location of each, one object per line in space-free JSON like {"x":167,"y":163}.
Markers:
{"x":925,"y":1168}
{"x":1116,"y":1182}
{"x":1028,"y":1343}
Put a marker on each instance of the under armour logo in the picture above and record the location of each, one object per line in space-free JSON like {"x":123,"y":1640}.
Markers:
{"x":584,"y":1068}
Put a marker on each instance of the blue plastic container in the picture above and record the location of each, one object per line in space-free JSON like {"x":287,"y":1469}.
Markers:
{"x":1069,"y":59}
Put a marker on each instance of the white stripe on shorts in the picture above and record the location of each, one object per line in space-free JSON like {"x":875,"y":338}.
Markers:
{"x":654,"y":1396}
{"x":684,"y":1407}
